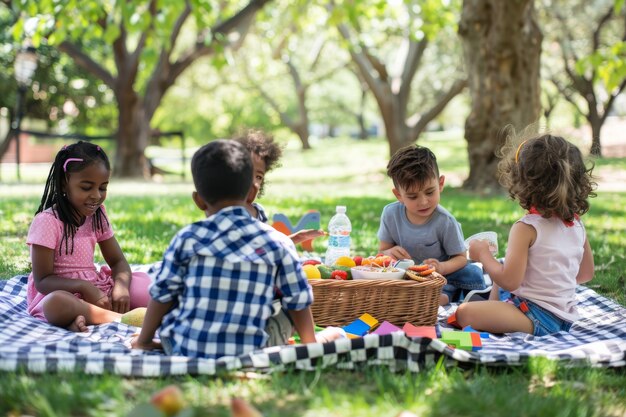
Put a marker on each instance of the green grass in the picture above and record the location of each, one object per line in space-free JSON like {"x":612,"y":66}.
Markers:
{"x":341,"y":171}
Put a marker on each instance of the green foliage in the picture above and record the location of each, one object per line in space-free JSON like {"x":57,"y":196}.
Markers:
{"x":609,"y":64}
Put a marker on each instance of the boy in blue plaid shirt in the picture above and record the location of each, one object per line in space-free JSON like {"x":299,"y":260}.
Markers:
{"x":212,"y":296}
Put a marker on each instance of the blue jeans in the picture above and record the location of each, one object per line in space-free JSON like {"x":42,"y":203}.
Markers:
{"x":468,"y":278}
{"x":544,"y":322}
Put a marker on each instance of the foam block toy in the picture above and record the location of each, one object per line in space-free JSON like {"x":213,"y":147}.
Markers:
{"x":483,"y":335}
{"x":361,"y":326}
{"x":385,"y":328}
{"x":311,"y":220}
{"x":419,"y":331}
{"x":452,"y":321}
{"x":462,"y":340}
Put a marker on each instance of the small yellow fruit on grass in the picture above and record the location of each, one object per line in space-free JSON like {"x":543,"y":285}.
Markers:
{"x":345,"y":261}
{"x":311,"y":272}
{"x":169,"y":400}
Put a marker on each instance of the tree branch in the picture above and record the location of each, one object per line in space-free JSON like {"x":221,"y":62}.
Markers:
{"x":411,"y":63}
{"x":141,"y":43}
{"x":612,"y":97}
{"x":239,"y":22}
{"x":566,"y":43}
{"x":88,"y":64}
{"x":567,"y":95}
{"x":284,"y":118}
{"x":596,"y":33}
{"x":364,"y":65}
{"x":441,"y":104}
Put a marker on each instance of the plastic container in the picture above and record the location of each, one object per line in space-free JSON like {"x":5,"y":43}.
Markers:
{"x":339,"y":229}
{"x":490,"y":237}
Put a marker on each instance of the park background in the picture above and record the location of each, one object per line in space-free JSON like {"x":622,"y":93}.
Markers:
{"x":340,"y":85}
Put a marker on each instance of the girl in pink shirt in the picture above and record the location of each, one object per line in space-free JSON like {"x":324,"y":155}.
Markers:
{"x":548,"y":252}
{"x":65,"y":288}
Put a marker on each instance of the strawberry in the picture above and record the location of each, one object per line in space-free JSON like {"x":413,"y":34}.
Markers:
{"x":339,"y":274}
{"x":358,"y":260}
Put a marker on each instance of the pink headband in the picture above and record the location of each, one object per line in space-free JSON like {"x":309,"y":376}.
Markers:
{"x":71,"y":160}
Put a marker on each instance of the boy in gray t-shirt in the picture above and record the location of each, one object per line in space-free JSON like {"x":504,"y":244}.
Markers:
{"x":416,"y":227}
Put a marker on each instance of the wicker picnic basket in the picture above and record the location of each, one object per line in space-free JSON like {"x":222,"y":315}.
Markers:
{"x":338,"y":303}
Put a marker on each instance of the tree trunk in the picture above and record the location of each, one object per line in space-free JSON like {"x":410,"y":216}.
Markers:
{"x":303,"y":133}
{"x":596,"y":126}
{"x":502,"y":47}
{"x":132,"y":138}
{"x":394,"y":124}
{"x":360,"y":117}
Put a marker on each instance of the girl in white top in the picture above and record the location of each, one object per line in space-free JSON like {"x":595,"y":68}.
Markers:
{"x":548,"y":252}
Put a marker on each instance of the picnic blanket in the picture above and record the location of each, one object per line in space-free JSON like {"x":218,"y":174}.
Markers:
{"x":598,"y":339}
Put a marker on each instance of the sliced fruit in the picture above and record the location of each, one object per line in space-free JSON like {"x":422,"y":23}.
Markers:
{"x":427,"y":272}
{"x":383,"y":260}
{"x":419,"y":268}
{"x":367,"y":261}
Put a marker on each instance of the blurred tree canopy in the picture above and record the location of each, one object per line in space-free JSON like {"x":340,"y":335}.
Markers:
{"x":586,"y":63}
{"x":135,"y":48}
{"x":210,"y":67}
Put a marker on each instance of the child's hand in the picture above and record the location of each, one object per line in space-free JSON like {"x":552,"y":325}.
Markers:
{"x":434,"y":263}
{"x":397,"y":252}
{"x":306,"y":234}
{"x":104,"y":302}
{"x":120,"y":298}
{"x":478,"y":248}
{"x":136,"y":344}
{"x":93,"y":295}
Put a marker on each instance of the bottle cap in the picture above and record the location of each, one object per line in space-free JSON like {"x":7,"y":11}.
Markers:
{"x":340,"y":209}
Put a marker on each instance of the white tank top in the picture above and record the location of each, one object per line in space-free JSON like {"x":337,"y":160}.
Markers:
{"x":553,"y":263}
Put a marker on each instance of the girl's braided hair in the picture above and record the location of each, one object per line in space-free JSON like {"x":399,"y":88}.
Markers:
{"x":83,"y":154}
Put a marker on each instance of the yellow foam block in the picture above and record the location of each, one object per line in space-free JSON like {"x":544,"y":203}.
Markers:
{"x":369,"y":320}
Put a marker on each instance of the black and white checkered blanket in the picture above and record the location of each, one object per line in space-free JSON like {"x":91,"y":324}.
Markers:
{"x":598,"y":339}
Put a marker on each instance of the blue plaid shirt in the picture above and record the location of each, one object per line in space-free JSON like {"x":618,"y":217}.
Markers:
{"x":220,"y":274}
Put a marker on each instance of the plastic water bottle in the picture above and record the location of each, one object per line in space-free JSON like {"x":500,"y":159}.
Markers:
{"x":339,"y":228}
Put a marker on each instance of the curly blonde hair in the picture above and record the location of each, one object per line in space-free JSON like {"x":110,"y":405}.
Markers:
{"x":547,"y":173}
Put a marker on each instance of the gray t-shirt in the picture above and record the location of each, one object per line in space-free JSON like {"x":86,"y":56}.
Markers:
{"x":439,"y":238}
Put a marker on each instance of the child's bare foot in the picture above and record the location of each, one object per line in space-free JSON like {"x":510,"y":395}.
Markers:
{"x":443,"y":300}
{"x":78,"y":325}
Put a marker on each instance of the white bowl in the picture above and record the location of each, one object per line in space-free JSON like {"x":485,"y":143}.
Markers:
{"x":369,"y":272}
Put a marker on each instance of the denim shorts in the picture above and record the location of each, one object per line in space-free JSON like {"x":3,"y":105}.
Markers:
{"x":544,"y":322}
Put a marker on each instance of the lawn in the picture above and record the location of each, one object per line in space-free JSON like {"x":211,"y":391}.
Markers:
{"x":351,"y":173}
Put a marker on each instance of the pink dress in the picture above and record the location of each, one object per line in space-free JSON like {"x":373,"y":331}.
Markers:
{"x":47,"y":230}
